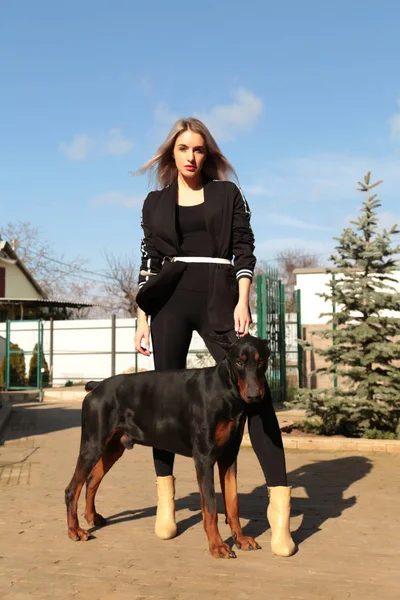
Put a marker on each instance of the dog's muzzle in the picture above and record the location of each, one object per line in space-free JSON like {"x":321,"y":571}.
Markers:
{"x":251,"y":394}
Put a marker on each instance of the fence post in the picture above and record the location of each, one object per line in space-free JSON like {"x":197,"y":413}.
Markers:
{"x":8,"y":343}
{"x":282,"y":340}
{"x":299,"y":337}
{"x":136,"y":353}
{"x":51,"y":357}
{"x":334,"y":325}
{"x":39,"y":350}
{"x":259,"y":308}
{"x":113,"y":342}
{"x":40,"y":360}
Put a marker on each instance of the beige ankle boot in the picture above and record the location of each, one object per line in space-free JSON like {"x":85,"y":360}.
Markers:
{"x":165,"y":527}
{"x":278,"y":515}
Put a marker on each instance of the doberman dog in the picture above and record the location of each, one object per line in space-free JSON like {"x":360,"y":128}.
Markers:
{"x":199,"y":413}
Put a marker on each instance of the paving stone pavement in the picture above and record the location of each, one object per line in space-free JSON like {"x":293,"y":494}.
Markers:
{"x":345,"y":518}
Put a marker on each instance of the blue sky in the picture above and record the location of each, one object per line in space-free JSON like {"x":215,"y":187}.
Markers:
{"x":303,"y":97}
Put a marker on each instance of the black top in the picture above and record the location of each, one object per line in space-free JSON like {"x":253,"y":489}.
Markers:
{"x":194,"y":240}
{"x":227,"y":218}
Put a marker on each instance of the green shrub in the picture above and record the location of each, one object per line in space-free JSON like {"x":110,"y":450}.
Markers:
{"x":291,"y":394}
{"x":32,"y":377}
{"x":337,"y":412}
{"x":17,"y":368}
{"x":376,"y":434}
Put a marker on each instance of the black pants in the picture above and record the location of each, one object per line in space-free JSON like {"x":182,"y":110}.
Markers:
{"x":171,"y":331}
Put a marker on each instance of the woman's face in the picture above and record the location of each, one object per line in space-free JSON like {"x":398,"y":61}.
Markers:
{"x":189,"y":154}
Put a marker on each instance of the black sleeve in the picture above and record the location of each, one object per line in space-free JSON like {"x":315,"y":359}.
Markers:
{"x":242,"y":237}
{"x":151,"y":259}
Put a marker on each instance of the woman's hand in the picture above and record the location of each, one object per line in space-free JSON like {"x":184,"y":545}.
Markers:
{"x":242,"y":318}
{"x":142,"y":334}
{"x":241,"y":313}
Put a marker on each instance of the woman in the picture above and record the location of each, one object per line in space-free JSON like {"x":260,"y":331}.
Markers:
{"x":192,"y":228}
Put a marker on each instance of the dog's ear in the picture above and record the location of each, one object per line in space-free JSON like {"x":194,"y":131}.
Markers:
{"x":222,"y":340}
{"x":91,"y":385}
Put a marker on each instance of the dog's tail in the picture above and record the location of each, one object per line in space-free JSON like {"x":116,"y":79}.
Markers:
{"x":91,"y":385}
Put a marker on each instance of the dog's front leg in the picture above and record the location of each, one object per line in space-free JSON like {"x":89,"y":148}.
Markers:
{"x":227,"y":475}
{"x":205,"y":478}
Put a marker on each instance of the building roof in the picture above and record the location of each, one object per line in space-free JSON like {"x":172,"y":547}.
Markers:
{"x":44,"y":302}
{"x":313,"y":270}
{"x":323,"y":270}
{"x":7,"y":255}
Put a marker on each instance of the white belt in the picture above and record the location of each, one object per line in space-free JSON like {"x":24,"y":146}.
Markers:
{"x":200,"y":259}
{"x":190,"y":259}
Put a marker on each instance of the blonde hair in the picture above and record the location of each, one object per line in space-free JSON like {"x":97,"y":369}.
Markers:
{"x":162,"y":164}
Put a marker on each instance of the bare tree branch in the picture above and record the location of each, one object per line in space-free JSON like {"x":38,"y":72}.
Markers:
{"x":288,"y":260}
{"x":122,"y":286}
{"x":294,"y":258}
{"x":57,"y":275}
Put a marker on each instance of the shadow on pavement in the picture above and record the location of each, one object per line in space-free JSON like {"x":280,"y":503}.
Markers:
{"x":36,"y":419}
{"x":325,"y":483}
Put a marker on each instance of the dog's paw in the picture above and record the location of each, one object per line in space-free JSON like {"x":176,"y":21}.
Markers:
{"x":96,"y":520}
{"x":77,"y":534}
{"x":244,"y":542}
{"x":222,"y":551}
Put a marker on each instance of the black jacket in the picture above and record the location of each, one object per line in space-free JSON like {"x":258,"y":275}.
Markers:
{"x":228,"y":223}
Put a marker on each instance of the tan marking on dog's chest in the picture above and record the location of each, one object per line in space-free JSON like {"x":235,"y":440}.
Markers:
{"x":224,"y":430}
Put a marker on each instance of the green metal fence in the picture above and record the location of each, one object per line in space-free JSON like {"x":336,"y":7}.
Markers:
{"x":271,"y":326}
{"x":14,"y":378}
{"x":300,"y":355}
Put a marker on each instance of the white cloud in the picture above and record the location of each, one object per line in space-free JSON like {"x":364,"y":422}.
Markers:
{"x":320,"y":187}
{"x":388,"y":219}
{"x":116,"y":143}
{"x":327,"y":178}
{"x":286,"y":221}
{"x":256,"y":190}
{"x":164,"y":115}
{"x":83,"y":144}
{"x":78,"y":148}
{"x":118,"y":199}
{"x":164,"y":119}
{"x":394,"y":124}
{"x":226,"y":121}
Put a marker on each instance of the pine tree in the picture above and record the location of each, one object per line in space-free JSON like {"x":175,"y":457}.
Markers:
{"x":364,"y":329}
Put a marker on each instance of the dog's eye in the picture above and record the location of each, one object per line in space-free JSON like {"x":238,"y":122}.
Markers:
{"x":239,"y":363}
{"x":261,"y":362}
